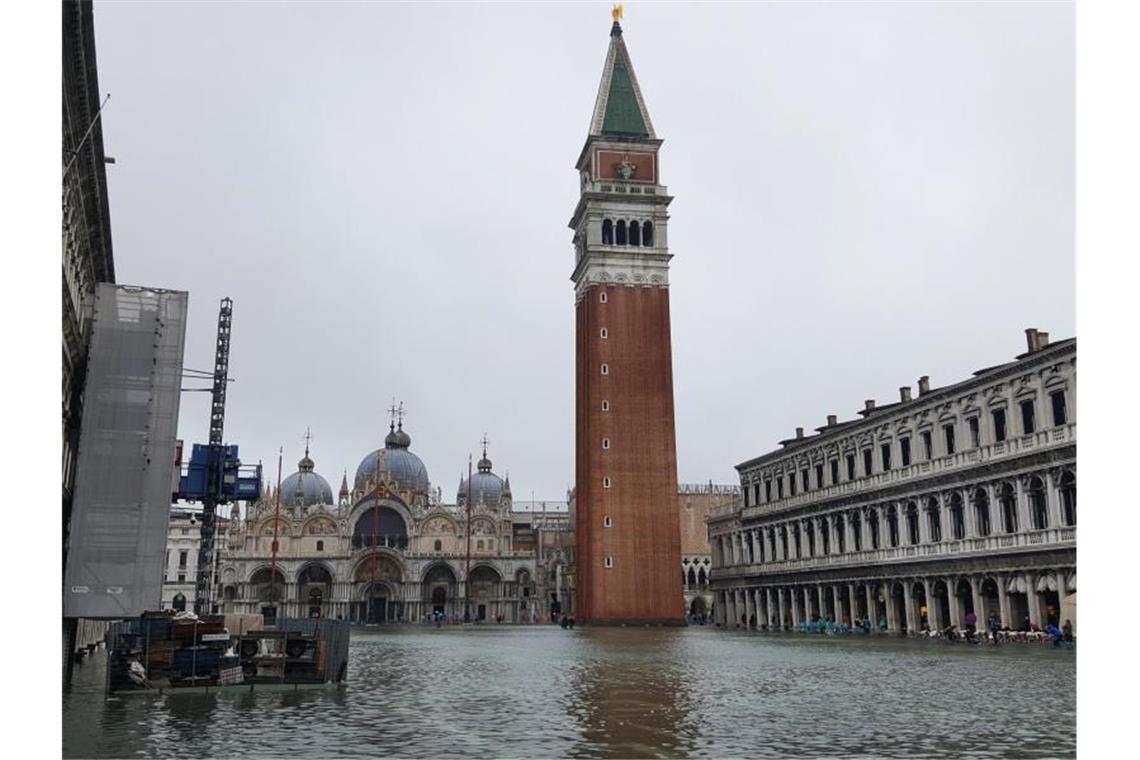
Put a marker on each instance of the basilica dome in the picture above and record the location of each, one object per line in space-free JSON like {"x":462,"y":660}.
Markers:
{"x":486,"y":486}
{"x":395,"y":461}
{"x":305,"y":487}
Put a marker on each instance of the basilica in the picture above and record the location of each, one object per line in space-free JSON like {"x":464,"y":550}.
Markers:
{"x":389,"y":549}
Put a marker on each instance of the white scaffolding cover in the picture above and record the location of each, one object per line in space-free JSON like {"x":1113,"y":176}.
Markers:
{"x":121,"y":508}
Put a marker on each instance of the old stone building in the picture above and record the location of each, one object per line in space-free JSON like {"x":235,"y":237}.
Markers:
{"x":388,"y":548}
{"x":625,"y":448}
{"x":87,"y":254}
{"x":696,"y":501}
{"x":962,"y":499}
{"x":184,"y":538}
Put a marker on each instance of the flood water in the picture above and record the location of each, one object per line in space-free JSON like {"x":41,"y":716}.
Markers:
{"x":547,"y":692}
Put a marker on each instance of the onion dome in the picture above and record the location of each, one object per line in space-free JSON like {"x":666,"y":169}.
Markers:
{"x":486,"y":486}
{"x":305,"y":487}
{"x":396,"y":462}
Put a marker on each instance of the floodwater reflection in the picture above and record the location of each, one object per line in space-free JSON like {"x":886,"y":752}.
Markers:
{"x":630,"y":698}
{"x":493,"y":691}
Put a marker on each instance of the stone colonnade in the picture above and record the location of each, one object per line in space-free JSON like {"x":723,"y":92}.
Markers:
{"x":902,"y":605}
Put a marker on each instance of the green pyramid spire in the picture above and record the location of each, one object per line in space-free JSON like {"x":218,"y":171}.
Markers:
{"x":620,"y":110}
{"x":623,"y":112}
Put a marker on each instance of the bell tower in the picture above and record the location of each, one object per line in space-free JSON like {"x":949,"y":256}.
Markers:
{"x":628,"y":561}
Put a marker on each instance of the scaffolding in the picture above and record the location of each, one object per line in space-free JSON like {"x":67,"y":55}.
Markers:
{"x":121,"y":507}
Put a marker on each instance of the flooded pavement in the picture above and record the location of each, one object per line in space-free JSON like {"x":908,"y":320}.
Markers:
{"x":611,"y":692}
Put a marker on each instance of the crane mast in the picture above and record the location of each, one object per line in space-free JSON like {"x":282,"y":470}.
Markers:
{"x":215,"y":469}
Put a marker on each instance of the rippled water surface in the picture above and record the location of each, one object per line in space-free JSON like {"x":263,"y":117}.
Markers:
{"x":546,"y":692}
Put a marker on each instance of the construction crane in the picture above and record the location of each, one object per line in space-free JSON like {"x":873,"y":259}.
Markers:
{"x":215,"y":468}
{"x":215,"y":475}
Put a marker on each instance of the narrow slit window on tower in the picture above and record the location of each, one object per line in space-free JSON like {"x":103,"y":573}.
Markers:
{"x":605,"y":369}
{"x":647,"y":233}
{"x":606,"y":482}
{"x":634,"y":233}
{"x":605,"y":405}
{"x":620,"y":238}
{"x":605,"y":443}
{"x":1059,"y":416}
{"x":602,"y":297}
{"x":605,"y":333}
{"x":607,"y":232}
{"x":999,"y":425}
{"x":607,"y":521}
{"x":609,"y":561}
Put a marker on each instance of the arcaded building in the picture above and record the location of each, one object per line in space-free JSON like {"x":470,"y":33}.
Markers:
{"x":389,"y":549}
{"x":961,"y":499}
{"x":629,"y":545}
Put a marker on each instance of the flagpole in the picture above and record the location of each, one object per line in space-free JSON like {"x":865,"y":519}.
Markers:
{"x":276,"y":526}
{"x":467,"y":582}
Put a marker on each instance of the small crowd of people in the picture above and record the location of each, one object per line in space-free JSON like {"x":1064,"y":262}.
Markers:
{"x":994,"y":632}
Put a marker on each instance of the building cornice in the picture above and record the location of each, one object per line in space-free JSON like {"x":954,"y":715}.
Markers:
{"x":883,"y":415}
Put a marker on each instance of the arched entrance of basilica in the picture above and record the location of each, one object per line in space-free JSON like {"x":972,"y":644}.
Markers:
{"x":379,"y":580}
{"x":439,"y":590}
{"x":484,"y":590}
{"x":381,"y":604}
{"x":314,"y":588}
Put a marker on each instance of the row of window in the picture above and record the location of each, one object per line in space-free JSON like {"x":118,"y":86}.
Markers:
{"x":623,"y":233}
{"x":694,"y":578}
{"x":949,"y":446}
{"x":479,"y":545}
{"x":905,"y":523}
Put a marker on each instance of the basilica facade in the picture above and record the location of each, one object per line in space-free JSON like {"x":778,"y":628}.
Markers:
{"x":389,"y":549}
{"x":959,"y":502}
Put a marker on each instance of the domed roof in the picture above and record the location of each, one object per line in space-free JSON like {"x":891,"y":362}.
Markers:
{"x":486,"y":486}
{"x":396,"y":462}
{"x":305,"y":485}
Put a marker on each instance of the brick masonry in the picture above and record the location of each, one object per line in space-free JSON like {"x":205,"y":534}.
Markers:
{"x":644,"y":541}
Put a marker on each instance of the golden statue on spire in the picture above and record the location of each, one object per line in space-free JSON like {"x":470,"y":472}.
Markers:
{"x":617,"y":11}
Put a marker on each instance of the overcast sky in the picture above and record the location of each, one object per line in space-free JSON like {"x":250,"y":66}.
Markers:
{"x":864,"y":193}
